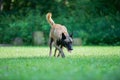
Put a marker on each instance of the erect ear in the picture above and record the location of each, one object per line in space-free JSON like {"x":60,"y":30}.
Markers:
{"x":63,"y":36}
{"x":71,"y":35}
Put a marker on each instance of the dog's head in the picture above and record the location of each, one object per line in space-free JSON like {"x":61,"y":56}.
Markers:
{"x":67,"y":41}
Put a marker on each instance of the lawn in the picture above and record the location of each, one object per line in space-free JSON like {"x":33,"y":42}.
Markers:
{"x":84,"y":63}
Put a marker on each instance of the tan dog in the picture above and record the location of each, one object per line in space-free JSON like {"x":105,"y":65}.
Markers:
{"x":60,"y":37}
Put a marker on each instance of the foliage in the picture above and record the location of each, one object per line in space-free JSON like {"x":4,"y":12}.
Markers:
{"x":85,"y":63}
{"x":96,"y":22}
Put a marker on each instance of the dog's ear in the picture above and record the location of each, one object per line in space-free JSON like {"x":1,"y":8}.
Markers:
{"x":63,"y":36}
{"x":71,"y":35}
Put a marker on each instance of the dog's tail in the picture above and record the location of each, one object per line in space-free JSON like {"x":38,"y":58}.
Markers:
{"x":49,"y":19}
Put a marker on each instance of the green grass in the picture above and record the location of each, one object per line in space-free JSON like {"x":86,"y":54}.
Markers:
{"x":84,"y":63}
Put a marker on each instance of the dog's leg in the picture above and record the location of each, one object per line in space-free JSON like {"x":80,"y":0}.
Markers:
{"x":58,"y":54}
{"x":55,"y":51}
{"x":60,"y":51}
{"x":51,"y":41}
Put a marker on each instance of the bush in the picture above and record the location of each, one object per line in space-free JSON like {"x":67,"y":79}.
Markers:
{"x":95,"y":22}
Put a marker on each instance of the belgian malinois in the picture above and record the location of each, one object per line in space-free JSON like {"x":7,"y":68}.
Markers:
{"x":60,"y":37}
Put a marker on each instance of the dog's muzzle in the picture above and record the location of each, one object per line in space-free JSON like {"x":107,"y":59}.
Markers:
{"x":70,"y":50}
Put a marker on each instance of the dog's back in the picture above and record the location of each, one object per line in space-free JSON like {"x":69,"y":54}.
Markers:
{"x":56,"y":29}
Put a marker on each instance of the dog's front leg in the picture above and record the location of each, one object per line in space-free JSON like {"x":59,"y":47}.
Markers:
{"x":60,"y":51}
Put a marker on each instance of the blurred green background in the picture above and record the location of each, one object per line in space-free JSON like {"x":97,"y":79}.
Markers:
{"x":93,"y":22}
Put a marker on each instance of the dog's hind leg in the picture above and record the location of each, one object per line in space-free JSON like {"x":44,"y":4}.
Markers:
{"x":51,"y":41}
{"x":55,"y":51}
{"x":59,"y":52}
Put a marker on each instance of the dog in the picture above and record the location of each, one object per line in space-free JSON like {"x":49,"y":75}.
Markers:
{"x":59,"y":36}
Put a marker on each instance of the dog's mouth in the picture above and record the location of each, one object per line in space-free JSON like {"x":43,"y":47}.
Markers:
{"x":70,"y":50}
